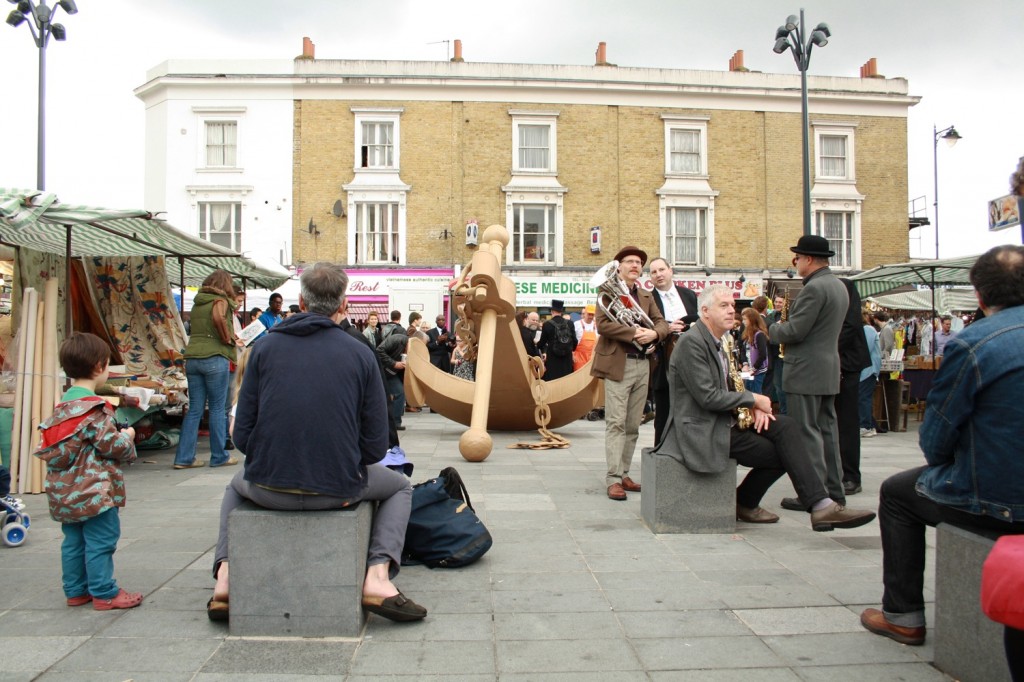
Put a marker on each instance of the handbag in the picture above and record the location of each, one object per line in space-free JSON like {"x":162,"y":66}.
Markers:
{"x":1002,"y":582}
{"x":444,"y":530}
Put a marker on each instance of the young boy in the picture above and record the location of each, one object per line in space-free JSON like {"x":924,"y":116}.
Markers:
{"x":83,"y":449}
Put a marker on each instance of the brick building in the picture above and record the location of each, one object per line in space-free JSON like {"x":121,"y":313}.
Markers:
{"x":392,"y":159}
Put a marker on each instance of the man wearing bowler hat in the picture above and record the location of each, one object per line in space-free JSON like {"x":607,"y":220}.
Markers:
{"x":557,"y":357}
{"x":626,"y":370}
{"x":811,"y":380}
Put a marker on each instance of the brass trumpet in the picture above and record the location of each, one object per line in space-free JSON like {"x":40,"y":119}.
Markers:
{"x":744,"y":417}
{"x":615,"y":300}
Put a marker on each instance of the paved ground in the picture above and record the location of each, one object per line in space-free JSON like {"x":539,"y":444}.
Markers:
{"x":575,"y":587}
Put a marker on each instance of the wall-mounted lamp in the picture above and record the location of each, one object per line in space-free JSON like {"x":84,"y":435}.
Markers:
{"x":742,"y":278}
{"x":707,"y":272}
{"x":312,"y":228}
{"x":790,"y":273}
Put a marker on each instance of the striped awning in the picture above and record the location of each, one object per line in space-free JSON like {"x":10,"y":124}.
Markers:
{"x":946,"y":300}
{"x":359,"y":311}
{"x":931,"y":273}
{"x":38,"y":220}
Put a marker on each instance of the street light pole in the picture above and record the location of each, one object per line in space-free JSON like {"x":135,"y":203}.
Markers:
{"x":42,"y":27}
{"x":792,"y":36}
{"x":951,"y":136}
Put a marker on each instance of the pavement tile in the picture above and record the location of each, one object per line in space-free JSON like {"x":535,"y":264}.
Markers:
{"x":576,"y":655}
{"x":438,"y":627}
{"x":263,"y":656}
{"x":550,"y":601}
{"x":58,"y":622}
{"x":115,"y":676}
{"x":904,"y":672}
{"x":554,"y":626}
{"x":851,"y":648}
{"x":799,"y":621}
{"x":692,"y":623}
{"x":152,"y":655}
{"x":705,"y":652}
{"x":729,"y":675}
{"x":35,"y":654}
{"x":423,"y":659}
{"x":761,"y":596}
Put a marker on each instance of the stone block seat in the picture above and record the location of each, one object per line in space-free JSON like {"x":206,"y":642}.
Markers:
{"x":968,"y":646}
{"x":298,"y":573}
{"x":677,"y":500}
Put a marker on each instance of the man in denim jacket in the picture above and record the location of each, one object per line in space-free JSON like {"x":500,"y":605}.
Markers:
{"x":971,"y":438}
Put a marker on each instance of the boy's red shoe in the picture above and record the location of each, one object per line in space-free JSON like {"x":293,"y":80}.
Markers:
{"x":80,"y":600}
{"x":122,"y":600}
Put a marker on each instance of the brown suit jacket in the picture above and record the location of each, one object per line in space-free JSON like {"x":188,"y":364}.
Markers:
{"x":616,"y":339}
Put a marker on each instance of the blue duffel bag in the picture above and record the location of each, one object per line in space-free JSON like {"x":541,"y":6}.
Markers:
{"x":444,"y":530}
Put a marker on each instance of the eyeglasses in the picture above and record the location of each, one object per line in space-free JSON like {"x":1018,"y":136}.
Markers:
{"x":631,"y":261}
{"x":796,"y":259}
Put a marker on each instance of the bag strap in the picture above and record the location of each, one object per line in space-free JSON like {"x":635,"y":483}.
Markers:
{"x":454,"y":486}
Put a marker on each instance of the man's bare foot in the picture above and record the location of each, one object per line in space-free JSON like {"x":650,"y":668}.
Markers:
{"x":378,"y":583}
{"x":220,"y":590}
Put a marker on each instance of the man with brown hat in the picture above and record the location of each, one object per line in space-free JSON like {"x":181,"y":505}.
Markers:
{"x":811,"y":380}
{"x":622,"y":359}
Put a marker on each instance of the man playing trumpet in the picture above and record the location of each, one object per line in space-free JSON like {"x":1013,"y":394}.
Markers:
{"x":622,"y":359}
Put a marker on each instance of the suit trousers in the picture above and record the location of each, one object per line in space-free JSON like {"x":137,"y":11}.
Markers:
{"x":662,"y":406}
{"x":815,"y":416}
{"x":848,"y":424}
{"x":623,"y":410}
{"x":775,"y":451}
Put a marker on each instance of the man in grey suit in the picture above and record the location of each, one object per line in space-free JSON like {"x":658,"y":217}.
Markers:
{"x":811,"y":380}
{"x":702,"y":430}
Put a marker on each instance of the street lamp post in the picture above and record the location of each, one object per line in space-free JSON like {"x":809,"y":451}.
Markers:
{"x":42,"y":27}
{"x":791,"y":36}
{"x":951,"y":136}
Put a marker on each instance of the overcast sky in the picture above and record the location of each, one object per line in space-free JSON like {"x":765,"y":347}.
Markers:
{"x":962,"y":58}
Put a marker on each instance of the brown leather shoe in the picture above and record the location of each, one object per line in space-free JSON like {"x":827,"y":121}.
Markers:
{"x":615,"y":492}
{"x":757,"y":515}
{"x":875,"y":621}
{"x":838,"y":516}
{"x":629,"y":485}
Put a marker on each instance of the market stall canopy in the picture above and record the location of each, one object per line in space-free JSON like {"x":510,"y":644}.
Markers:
{"x":931,"y":273}
{"x":38,"y":220}
{"x":946,"y":300}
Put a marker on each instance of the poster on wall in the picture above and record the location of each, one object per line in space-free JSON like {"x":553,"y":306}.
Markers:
{"x":1003,"y":212}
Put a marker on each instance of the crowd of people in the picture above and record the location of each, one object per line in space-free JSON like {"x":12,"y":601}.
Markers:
{"x":794,"y":401}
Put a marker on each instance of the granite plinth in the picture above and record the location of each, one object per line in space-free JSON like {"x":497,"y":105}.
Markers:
{"x":298,"y":573}
{"x":677,"y":500}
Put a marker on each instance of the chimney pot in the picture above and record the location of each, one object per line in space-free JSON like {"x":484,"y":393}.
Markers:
{"x":458,"y":51}
{"x":308,"y":48}
{"x":602,"y":56}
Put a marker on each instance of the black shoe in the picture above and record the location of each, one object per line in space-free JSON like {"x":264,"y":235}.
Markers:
{"x":851,"y":488}
{"x":793,"y":504}
{"x":229,"y":445}
{"x":400,"y":428}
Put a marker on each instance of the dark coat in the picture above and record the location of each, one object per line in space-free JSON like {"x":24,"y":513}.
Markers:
{"x":554,"y":366}
{"x":440,"y":351}
{"x":854,"y":354}
{"x":659,"y":377}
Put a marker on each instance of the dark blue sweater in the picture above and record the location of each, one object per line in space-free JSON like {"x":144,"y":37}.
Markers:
{"x":311,"y":412}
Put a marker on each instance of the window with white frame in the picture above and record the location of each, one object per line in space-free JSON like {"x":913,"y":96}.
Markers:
{"x":377,"y":148}
{"x":686,"y":146}
{"x":533,"y":233}
{"x":838,"y":228}
{"x":376,"y":233}
{"x":834,"y":157}
{"x":534,"y":142}
{"x":221,"y":223}
{"x":686,"y":236}
{"x":377,"y":138}
{"x":221,"y":144}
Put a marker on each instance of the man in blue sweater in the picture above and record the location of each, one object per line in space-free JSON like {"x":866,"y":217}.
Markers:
{"x":309,"y":371}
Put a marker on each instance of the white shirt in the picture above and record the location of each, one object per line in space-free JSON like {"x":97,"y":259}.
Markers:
{"x":582,"y":326}
{"x":674,"y":308}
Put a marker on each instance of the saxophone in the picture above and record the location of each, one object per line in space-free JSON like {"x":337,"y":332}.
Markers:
{"x":744,"y":417}
{"x":783,"y":316}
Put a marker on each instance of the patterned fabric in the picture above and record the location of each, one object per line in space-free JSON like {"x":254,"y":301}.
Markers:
{"x":134,"y":299}
{"x":34,"y":268}
{"x":83,"y":450}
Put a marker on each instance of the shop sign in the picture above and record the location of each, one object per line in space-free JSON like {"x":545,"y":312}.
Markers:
{"x":576,"y":292}
{"x":362,"y":284}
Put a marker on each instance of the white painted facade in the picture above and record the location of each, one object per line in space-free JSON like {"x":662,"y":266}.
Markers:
{"x":252,"y":188}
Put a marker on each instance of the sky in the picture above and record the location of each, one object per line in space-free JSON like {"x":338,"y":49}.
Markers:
{"x":961,"y":58}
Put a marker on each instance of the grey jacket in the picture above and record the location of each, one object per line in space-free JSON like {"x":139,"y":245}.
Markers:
{"x":811,"y":335}
{"x":697,"y":432}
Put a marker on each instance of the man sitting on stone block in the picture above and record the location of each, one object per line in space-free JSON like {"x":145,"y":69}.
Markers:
{"x":971,"y":438}
{"x":703,"y":431}
{"x":311,"y":421}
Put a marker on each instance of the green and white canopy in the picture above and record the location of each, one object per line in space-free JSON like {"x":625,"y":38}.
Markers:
{"x":38,"y":220}
{"x":931,"y":273}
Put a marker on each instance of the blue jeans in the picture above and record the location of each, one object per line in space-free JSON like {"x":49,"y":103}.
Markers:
{"x":207,"y":384}
{"x":87,"y":556}
{"x":864,"y":402}
{"x":754,"y":385}
{"x":396,"y":394}
{"x":780,"y":395}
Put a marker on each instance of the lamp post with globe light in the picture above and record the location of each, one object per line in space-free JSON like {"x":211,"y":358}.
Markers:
{"x":792,"y":36}
{"x":42,"y":27}
{"x":951,"y":136}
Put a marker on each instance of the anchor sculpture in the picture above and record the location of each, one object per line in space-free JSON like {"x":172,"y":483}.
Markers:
{"x":506,"y":396}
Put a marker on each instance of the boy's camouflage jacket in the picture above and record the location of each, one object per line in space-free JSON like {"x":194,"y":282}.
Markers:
{"x":83,"y":450}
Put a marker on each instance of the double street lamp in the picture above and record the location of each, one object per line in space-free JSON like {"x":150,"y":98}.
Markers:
{"x":42,"y":28}
{"x":951,"y":136}
{"x":792,"y":36}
